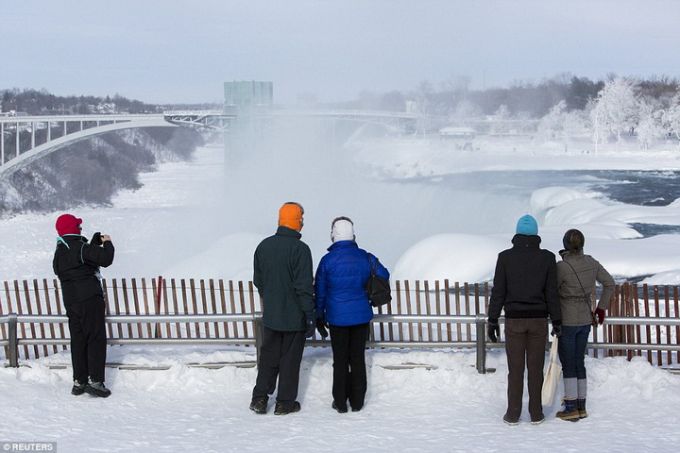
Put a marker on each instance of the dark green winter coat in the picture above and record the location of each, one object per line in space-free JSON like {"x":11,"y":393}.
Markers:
{"x":283,"y":275}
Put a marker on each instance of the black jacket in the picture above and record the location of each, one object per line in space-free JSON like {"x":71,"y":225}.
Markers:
{"x":283,"y":275}
{"x":525,"y":282}
{"x":77,"y":263}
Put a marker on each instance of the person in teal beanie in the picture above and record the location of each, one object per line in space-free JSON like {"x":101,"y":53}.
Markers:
{"x":525,"y":288}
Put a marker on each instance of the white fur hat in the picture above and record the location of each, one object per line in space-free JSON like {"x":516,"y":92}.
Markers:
{"x":342,"y":230}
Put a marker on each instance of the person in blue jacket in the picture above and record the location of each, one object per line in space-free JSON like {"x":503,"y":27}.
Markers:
{"x":342,"y":304}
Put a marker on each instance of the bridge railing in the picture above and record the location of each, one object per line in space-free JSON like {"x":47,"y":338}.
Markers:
{"x":421,"y":314}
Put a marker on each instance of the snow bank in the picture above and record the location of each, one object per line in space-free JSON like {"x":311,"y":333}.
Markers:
{"x":446,"y":408}
{"x":604,"y":223}
{"x":460,"y":257}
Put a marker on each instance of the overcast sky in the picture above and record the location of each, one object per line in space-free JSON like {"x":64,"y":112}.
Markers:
{"x":181,"y":51}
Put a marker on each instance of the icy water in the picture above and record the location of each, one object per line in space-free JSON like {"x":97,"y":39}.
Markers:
{"x":642,"y":188}
{"x":639,"y":188}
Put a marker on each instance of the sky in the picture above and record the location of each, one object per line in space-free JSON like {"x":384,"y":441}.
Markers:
{"x":168,"y":51}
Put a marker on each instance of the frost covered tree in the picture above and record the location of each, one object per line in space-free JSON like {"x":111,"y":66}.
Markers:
{"x":615,"y":111}
{"x":671,"y":117}
{"x":559,"y":124}
{"x":466,"y":110}
{"x":551,"y":126}
{"x":500,"y":120}
{"x":650,"y":126}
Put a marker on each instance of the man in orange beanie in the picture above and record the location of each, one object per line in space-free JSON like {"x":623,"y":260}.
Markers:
{"x":283,"y":276}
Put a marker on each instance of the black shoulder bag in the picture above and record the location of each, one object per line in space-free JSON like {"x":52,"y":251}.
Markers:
{"x":377,"y":288}
{"x":586,"y":297}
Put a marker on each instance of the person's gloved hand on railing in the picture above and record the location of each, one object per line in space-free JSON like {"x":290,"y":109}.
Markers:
{"x":600,"y":315}
{"x":321,"y":327}
{"x":494,"y":330}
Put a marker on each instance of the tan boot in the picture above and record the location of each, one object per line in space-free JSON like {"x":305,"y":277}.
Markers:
{"x":570,"y":411}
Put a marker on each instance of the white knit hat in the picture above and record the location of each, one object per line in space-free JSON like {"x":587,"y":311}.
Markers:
{"x":342,"y":230}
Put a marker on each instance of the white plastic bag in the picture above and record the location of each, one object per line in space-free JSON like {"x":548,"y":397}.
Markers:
{"x":552,"y":376}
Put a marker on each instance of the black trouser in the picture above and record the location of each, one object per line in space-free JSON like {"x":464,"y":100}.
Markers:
{"x":349,"y":365}
{"x":87,"y":324}
{"x":525,"y":341}
{"x":280,"y":356}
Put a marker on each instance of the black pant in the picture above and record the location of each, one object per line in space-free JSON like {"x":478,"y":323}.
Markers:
{"x":86,"y":322}
{"x":280,"y":356}
{"x":349,"y":365}
{"x":525,"y":341}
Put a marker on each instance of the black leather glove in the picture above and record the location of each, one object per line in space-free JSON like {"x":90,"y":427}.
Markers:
{"x":556,"y":329}
{"x":321,"y":328}
{"x":494,"y":330}
{"x":310,"y":325}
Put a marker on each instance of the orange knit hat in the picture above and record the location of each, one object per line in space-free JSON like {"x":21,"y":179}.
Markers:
{"x":290,"y":215}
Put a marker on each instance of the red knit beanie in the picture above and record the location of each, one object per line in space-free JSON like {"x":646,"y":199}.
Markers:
{"x":68,"y":224}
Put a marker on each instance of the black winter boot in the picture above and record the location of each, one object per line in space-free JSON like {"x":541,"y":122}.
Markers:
{"x":97,"y":389}
{"x":340,"y":409}
{"x":259,"y":405}
{"x":78,"y":388}
{"x":286,"y":408}
{"x":581,"y":405}
{"x":570,"y":411}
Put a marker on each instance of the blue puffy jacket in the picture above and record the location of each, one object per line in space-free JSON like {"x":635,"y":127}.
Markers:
{"x":340,"y":283}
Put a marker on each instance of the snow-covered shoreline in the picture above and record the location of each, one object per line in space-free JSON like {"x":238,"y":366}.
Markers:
{"x":431,"y":157}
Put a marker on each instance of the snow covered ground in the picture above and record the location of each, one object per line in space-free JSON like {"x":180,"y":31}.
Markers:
{"x":633,"y":407}
{"x":204,"y":219}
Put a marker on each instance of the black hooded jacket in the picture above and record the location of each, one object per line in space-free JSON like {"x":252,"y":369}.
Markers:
{"x":76,"y":263}
{"x":525,"y":282}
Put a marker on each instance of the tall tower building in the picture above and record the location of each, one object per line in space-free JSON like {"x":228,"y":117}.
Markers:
{"x":243,"y":96}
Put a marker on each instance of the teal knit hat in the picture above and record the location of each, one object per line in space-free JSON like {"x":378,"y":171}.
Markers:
{"x":527,"y":225}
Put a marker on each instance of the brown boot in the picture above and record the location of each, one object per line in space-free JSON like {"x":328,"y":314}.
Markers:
{"x":570,"y":411}
{"x":581,"y":405}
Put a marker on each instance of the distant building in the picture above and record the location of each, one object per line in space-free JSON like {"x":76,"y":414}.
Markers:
{"x":105,"y":107}
{"x":247,"y":95}
{"x":457,"y":132}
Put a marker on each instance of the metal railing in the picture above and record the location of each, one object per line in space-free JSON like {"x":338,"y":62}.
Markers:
{"x":481,"y":345}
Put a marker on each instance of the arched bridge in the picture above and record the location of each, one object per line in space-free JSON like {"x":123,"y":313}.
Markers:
{"x":27,"y":138}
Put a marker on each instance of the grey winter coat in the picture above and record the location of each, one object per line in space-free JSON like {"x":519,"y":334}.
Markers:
{"x":575,"y":312}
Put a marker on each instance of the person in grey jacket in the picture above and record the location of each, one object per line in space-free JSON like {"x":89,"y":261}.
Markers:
{"x":577,"y":275}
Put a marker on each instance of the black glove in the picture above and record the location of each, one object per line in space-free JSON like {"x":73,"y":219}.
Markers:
{"x":556,"y":329}
{"x":494,"y":330}
{"x":321,"y":327}
{"x":310,"y":324}
{"x":96,"y":239}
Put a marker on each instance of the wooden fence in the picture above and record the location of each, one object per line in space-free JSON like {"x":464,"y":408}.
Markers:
{"x":192,"y":296}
